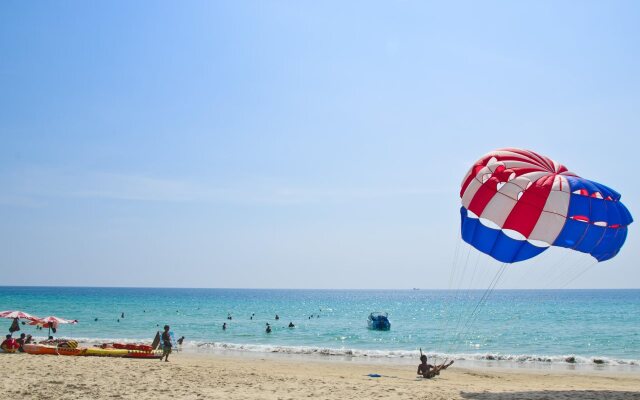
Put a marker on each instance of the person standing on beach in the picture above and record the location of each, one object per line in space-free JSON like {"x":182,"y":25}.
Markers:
{"x":166,"y":344}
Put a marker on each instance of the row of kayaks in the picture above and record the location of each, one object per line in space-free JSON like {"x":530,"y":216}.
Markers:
{"x":90,"y":351}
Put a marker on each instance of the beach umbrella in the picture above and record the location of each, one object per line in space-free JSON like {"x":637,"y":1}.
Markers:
{"x":52,"y":322}
{"x":15,"y":316}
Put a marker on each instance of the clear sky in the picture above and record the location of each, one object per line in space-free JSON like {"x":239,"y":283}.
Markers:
{"x":295,"y":144}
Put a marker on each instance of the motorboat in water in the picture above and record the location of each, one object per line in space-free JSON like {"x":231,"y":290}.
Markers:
{"x":379,"y":321}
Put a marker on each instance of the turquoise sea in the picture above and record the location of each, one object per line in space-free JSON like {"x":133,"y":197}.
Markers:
{"x":521,"y":326}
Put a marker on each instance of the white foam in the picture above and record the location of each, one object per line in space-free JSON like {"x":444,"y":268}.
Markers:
{"x":198,"y":346}
{"x":519,"y":358}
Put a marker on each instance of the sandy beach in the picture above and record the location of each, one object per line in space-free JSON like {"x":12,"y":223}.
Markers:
{"x":196,"y":376}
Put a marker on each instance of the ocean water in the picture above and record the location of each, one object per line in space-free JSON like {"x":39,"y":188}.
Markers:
{"x":521,"y":326}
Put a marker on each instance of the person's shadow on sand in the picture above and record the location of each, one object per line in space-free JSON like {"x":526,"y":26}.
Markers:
{"x":553,"y":394}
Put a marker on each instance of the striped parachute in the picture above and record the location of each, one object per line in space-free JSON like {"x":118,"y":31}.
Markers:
{"x":517,"y":203}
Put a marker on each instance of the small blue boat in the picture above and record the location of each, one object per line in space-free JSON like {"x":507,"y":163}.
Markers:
{"x":379,"y":321}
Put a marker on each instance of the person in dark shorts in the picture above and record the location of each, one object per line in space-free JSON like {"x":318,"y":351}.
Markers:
{"x":428,"y":370}
{"x":166,"y":344}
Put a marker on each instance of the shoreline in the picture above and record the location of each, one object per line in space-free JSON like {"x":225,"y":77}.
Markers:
{"x":399,"y":357}
{"x":403,"y":362}
{"x":409,"y":357}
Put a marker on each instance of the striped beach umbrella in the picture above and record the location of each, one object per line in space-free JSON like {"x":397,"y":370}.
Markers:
{"x":52,"y":322}
{"x":17,"y":314}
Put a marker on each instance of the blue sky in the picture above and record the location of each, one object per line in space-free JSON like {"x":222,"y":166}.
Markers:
{"x":294,"y":144}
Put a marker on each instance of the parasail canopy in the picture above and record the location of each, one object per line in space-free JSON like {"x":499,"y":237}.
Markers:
{"x":517,"y":203}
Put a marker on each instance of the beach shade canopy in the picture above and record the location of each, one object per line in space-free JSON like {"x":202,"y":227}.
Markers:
{"x":17,"y":314}
{"x":52,"y":321}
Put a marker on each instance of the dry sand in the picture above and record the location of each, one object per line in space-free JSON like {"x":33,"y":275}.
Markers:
{"x":194,"y":376}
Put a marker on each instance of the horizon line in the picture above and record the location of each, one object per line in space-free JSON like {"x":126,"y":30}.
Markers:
{"x":326,"y":289}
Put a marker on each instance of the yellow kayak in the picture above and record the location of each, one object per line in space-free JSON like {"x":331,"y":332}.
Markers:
{"x":96,"y":351}
{"x":91,"y":351}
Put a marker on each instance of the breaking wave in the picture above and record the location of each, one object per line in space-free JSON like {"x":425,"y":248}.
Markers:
{"x":411,"y":354}
{"x":196,"y":346}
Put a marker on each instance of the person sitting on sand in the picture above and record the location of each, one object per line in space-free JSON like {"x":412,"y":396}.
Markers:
{"x":166,"y":344}
{"x":9,"y":344}
{"x":428,"y":370}
{"x":24,"y":339}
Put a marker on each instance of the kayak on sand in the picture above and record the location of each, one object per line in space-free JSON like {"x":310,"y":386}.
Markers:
{"x":91,"y":351}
